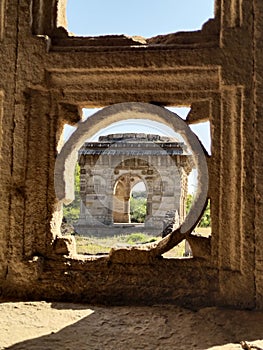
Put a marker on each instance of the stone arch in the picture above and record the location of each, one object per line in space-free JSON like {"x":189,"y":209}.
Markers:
{"x":67,"y":157}
{"x":123,"y":201}
{"x":121,"y":196}
{"x":138,"y":180}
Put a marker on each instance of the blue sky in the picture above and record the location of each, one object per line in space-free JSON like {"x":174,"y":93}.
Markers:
{"x":140,"y":17}
{"x":137,"y":17}
{"x":202,"y":130}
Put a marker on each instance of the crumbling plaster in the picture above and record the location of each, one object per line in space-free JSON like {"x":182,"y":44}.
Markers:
{"x":47,"y":77}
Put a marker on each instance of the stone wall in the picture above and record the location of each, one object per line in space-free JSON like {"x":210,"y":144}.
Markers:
{"x":47,"y":77}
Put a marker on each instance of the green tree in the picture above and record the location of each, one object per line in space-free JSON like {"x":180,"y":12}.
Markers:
{"x":138,"y":209}
{"x":71,"y":212}
{"x":206,"y":218}
{"x":189,"y":201}
{"x":139,"y":194}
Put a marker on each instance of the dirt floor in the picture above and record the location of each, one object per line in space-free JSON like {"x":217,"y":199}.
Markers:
{"x":57,"y":326}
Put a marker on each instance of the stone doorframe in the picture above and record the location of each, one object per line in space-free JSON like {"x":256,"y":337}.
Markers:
{"x":56,"y":108}
{"x":206,"y":97}
{"x":217,"y":71}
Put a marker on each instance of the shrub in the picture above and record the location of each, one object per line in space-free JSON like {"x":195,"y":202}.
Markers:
{"x":138,"y":209}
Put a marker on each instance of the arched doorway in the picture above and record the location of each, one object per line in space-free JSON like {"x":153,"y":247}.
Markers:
{"x":124,"y":203}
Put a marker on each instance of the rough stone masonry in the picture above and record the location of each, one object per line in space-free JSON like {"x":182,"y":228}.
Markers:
{"x":48,"y":76}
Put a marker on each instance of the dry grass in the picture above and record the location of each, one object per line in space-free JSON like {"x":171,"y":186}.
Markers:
{"x":96,"y":245}
{"x":204,"y":231}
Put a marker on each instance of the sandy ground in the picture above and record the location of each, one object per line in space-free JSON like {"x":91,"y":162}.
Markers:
{"x":57,"y":326}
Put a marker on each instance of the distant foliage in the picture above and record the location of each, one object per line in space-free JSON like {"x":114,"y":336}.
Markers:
{"x":139,"y":194}
{"x":206,"y":218}
{"x":71,"y":212}
{"x":138,"y":209}
{"x":189,"y":201}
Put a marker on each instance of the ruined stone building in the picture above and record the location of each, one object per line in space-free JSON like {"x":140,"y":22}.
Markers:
{"x":111,"y":167}
{"x":47,"y":77}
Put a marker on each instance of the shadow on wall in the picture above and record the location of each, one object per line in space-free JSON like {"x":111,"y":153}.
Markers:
{"x":165,"y":327}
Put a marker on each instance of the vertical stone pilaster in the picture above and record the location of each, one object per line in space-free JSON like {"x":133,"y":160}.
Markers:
{"x":47,"y":15}
{"x":258,"y":161}
{"x":2,"y":18}
{"x":39,"y":201}
{"x":1,"y":117}
{"x":3,"y":204}
{"x":232,"y":13}
{"x":215,"y":180}
{"x":231,"y":201}
{"x":235,"y":242}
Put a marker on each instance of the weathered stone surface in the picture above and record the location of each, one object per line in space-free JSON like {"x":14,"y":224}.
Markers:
{"x":47,"y":76}
{"x":65,"y":245}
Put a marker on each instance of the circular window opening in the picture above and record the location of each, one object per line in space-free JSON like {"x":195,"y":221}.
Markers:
{"x":159,"y":183}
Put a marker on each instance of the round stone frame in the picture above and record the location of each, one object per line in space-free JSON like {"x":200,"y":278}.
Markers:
{"x":66,"y":160}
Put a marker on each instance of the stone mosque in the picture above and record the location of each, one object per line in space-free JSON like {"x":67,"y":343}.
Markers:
{"x":111,"y":167}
